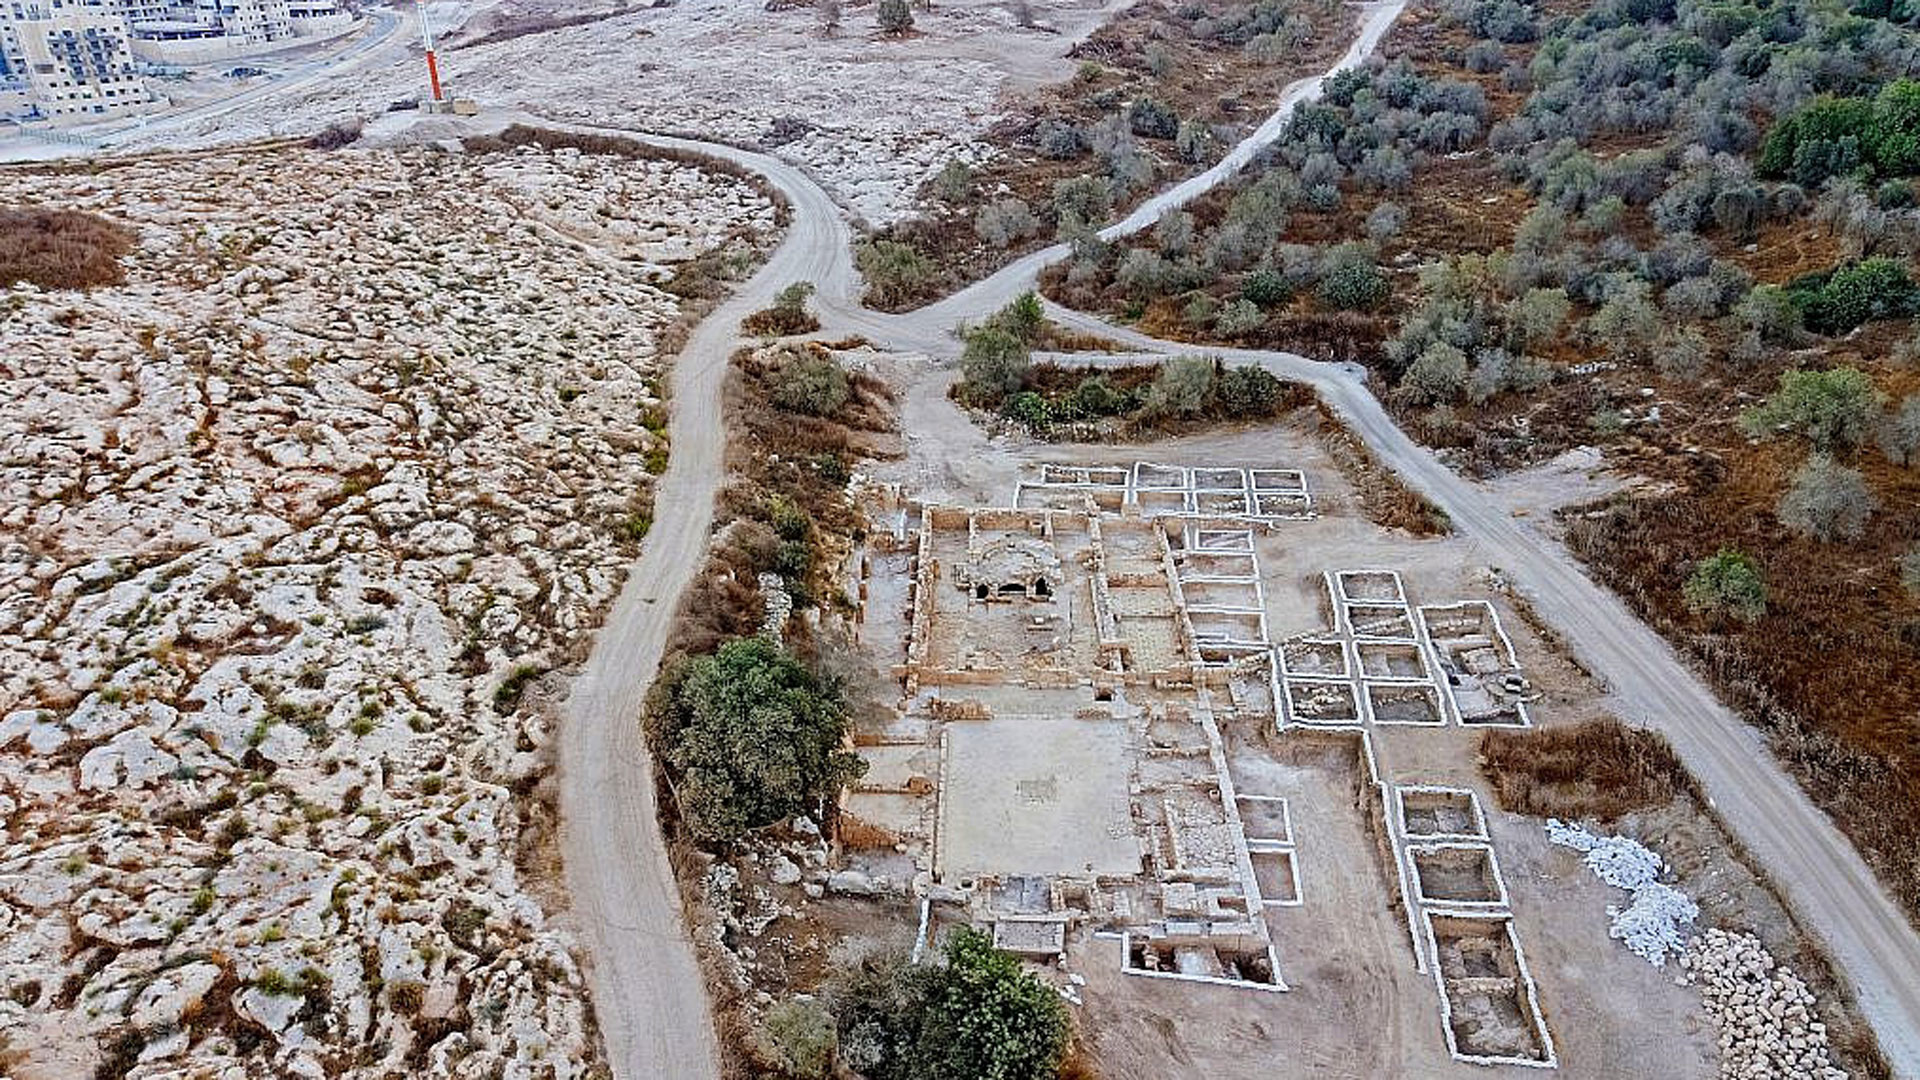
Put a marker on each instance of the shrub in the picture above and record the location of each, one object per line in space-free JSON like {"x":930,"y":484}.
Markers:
{"x":1355,"y":286}
{"x":1266,"y":287}
{"x":894,"y":271}
{"x":1059,"y":140}
{"x":1900,"y":434}
{"x":61,"y":249}
{"x":1385,"y":220}
{"x":788,"y":315}
{"x":1248,"y":391}
{"x":1835,"y":302}
{"x":1150,"y":118}
{"x":800,"y":1038}
{"x":1003,"y":221}
{"x":954,"y":181}
{"x":1910,"y":570}
{"x":895,"y":16}
{"x":1023,"y":317}
{"x":1196,"y":143}
{"x":1535,"y":317}
{"x":993,"y":365}
{"x":1827,"y":501}
{"x":1728,"y":584}
{"x":1833,"y":409}
{"x":812,"y":384}
{"x":1438,"y":375}
{"x":1182,"y":386}
{"x":1081,"y":201}
{"x":1681,"y":354}
{"x":1627,"y":322}
{"x":1239,"y":317}
{"x":753,"y":736}
{"x":1095,"y":396}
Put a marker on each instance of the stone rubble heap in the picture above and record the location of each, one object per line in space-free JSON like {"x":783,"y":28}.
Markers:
{"x":1652,"y":924}
{"x":1768,"y":1027}
{"x":289,"y":522}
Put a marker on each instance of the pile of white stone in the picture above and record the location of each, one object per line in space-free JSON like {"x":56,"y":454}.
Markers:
{"x":1652,"y":923}
{"x":1768,"y":1027}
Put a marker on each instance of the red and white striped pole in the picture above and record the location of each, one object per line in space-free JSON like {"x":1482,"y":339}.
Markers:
{"x":433,"y":62}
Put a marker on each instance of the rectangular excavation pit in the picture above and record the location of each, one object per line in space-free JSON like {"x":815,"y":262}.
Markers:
{"x":1392,"y":660}
{"x":1222,"y":502}
{"x":1282,"y":504}
{"x":1056,"y":497}
{"x":1277,"y":876}
{"x":1457,"y":874}
{"x":1219,"y":479}
{"x":1030,"y":937}
{"x":1223,"y":540}
{"x":1489,"y":1009}
{"x":1278,"y":479}
{"x":1380,"y":621}
{"x":1207,"y":592}
{"x":1389,"y":703}
{"x":1192,"y":959}
{"x":1220,"y":565}
{"x":1314,"y":657}
{"x":1377,"y":585}
{"x":1159,"y":476}
{"x":1266,"y":818}
{"x":1435,"y":812}
{"x":1321,"y":702}
{"x":1154,"y":503}
{"x":1238,"y":626}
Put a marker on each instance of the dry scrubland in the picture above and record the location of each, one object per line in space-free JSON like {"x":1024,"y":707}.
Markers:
{"x":295,"y":517}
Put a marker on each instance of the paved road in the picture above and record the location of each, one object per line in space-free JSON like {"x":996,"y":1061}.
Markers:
{"x":646,"y":987}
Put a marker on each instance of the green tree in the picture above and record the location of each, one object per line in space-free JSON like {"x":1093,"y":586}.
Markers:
{"x":1835,"y":302}
{"x":1354,"y":286}
{"x":1834,"y":409}
{"x":752,"y":738}
{"x":993,"y":365}
{"x":1728,"y":584}
{"x":989,"y":1020}
{"x":1266,"y":287}
{"x":1082,"y":201}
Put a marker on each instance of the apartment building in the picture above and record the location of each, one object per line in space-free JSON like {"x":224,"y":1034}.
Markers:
{"x":68,"y":62}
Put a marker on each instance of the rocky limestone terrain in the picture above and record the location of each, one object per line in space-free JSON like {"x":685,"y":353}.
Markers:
{"x":871,"y":117}
{"x":291,"y":523}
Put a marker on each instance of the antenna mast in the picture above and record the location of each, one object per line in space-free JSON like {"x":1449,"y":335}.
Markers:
{"x":433,"y":62}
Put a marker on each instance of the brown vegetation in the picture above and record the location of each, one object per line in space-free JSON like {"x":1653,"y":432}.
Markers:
{"x":61,"y":249}
{"x":1599,"y":769}
{"x":1386,"y":499}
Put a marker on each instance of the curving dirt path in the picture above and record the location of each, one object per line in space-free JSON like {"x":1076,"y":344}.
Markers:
{"x":647,"y":988}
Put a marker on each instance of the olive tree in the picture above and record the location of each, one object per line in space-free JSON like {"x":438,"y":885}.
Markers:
{"x":993,"y":365}
{"x":1827,"y":501}
{"x":1833,"y":409}
{"x":1900,"y":434}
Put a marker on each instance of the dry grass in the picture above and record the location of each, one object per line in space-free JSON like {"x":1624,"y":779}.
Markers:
{"x":1388,"y":501}
{"x":1599,"y":769}
{"x":61,"y":249}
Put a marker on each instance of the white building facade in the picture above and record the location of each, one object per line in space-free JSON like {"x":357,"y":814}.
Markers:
{"x":68,"y":62}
